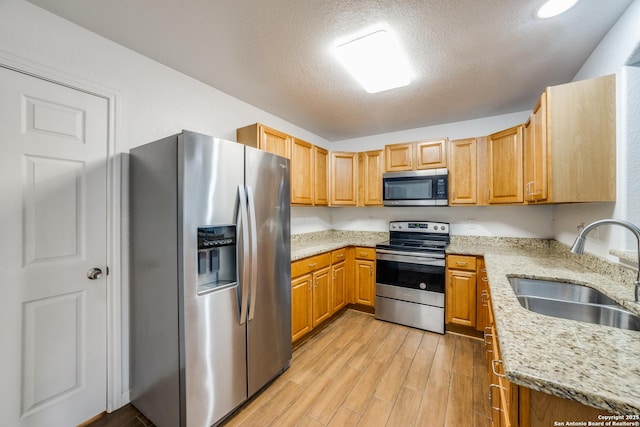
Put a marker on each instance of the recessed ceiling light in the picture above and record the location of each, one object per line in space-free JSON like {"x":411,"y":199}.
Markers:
{"x":555,"y":7}
{"x":375,"y":59}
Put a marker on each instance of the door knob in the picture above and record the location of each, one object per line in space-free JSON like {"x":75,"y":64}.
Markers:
{"x":94,"y":273}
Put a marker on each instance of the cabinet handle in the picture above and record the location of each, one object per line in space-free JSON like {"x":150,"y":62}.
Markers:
{"x":493,"y":368}
{"x":529,"y":192}
{"x":340,"y":256}
{"x":483,"y":300}
{"x":484,"y":270}
{"x":363,"y":254}
{"x":491,"y":399}
{"x":485,"y":279}
{"x":462,"y":263}
{"x":313,"y":264}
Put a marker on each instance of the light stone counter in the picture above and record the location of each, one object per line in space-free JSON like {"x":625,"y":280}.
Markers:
{"x":594,"y":365}
{"x":309,"y":244}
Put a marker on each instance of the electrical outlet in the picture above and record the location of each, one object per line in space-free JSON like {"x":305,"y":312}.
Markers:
{"x":471,"y":223}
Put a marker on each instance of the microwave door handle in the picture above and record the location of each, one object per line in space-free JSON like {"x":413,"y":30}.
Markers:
{"x":254,"y":252}
{"x":244,"y":228}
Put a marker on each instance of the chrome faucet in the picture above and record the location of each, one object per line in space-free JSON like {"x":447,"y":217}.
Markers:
{"x":578,"y":245}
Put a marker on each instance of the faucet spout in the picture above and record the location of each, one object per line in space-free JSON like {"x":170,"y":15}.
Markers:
{"x":578,"y":245}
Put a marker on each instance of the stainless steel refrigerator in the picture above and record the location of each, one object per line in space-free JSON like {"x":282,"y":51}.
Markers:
{"x":210,"y":276}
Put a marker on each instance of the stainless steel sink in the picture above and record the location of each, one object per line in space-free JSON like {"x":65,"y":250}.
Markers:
{"x":574,"y":302}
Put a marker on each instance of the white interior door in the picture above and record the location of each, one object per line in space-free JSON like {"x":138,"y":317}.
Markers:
{"x":53,"y":177}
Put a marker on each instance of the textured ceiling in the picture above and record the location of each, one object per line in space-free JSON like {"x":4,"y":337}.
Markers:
{"x":471,"y":58}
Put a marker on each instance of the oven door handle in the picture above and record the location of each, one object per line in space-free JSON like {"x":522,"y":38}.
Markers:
{"x":409,"y":259}
{"x":414,"y":254}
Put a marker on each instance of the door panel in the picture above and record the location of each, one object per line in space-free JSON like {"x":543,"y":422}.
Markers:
{"x":53,"y":186}
{"x":269,"y":332}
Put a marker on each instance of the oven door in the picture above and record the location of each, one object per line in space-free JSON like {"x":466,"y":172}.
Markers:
{"x":411,"y":272}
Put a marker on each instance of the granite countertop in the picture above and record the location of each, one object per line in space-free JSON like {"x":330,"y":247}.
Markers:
{"x":595,"y":365}
{"x":309,"y":244}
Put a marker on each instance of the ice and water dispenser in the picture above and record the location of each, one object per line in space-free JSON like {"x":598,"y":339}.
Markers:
{"x":216,"y":257}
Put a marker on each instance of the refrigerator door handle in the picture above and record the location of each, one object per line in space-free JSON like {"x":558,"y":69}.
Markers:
{"x":244,"y":226}
{"x":254,"y":252}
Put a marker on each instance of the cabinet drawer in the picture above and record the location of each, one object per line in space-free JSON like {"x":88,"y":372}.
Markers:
{"x":307,"y":265}
{"x":365,"y":253}
{"x":461,"y":262}
{"x":338,"y":255}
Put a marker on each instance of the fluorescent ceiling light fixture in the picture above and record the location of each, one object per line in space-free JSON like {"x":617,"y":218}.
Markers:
{"x":375,"y":59}
{"x":555,"y":7}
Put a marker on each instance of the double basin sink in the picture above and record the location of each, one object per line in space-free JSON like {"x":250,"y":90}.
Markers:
{"x":572,"y":301}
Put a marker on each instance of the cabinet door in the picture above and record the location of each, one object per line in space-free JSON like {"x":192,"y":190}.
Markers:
{"x":344,"y":167}
{"x":535,"y":153}
{"x":463,"y":172}
{"x":301,"y":172}
{"x":399,"y":157}
{"x":504,"y":161}
{"x":365,"y":282}
{"x":301,"y":322}
{"x":370,"y":168}
{"x":461,"y":298}
{"x":431,"y":154}
{"x":339,"y":287}
{"x":320,"y":179}
{"x":275,"y":142}
{"x":321,"y":296}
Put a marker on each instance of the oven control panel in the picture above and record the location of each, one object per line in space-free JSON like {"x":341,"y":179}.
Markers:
{"x":419,"y":227}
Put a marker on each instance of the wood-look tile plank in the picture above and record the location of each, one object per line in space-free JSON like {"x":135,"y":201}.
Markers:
{"x":329,"y":402}
{"x":460,"y":402}
{"x":433,"y":408}
{"x":405,"y":411}
{"x":265,"y":413}
{"x":463,"y":357}
{"x":309,"y":422}
{"x":363,"y":390}
{"x":480,"y":381}
{"x":344,"y":417}
{"x":418,"y":374}
{"x":391,"y":382}
{"x":376,"y":413}
{"x":300,"y":406}
{"x":411,"y":343}
{"x":443,"y":360}
{"x":391,"y":345}
{"x":340,"y":358}
{"x":367,"y":353}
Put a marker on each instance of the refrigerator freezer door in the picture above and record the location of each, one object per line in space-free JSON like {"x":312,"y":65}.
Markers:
{"x":214,"y":340}
{"x":269,"y":329}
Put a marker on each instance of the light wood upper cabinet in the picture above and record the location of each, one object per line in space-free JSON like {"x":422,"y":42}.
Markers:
{"x":463,"y":172}
{"x":264,"y":138}
{"x":572,"y":143}
{"x":344,"y":177}
{"x":321,"y":175}
{"x":416,"y":155}
{"x":504,"y":164}
{"x":370,"y":169}
{"x":535,"y":153}
{"x":399,"y":157}
{"x":431,"y":154}
{"x":302,"y":172}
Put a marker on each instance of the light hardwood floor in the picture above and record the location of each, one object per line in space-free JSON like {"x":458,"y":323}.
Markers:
{"x":360,"y":371}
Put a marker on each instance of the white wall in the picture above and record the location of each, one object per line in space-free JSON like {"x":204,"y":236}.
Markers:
{"x":619,"y":47}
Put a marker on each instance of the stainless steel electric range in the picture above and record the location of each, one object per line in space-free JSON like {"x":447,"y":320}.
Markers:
{"x":410,"y":274}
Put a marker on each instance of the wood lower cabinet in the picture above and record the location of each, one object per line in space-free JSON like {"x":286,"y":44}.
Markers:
{"x":301,"y":304}
{"x":338,"y":280}
{"x":513,"y":405}
{"x":365,"y":276}
{"x":321,"y":295}
{"x":504,"y":166}
{"x":461,"y":290}
{"x":482,"y":296}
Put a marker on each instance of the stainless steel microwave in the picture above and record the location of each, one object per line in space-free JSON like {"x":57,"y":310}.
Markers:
{"x":416,"y":188}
